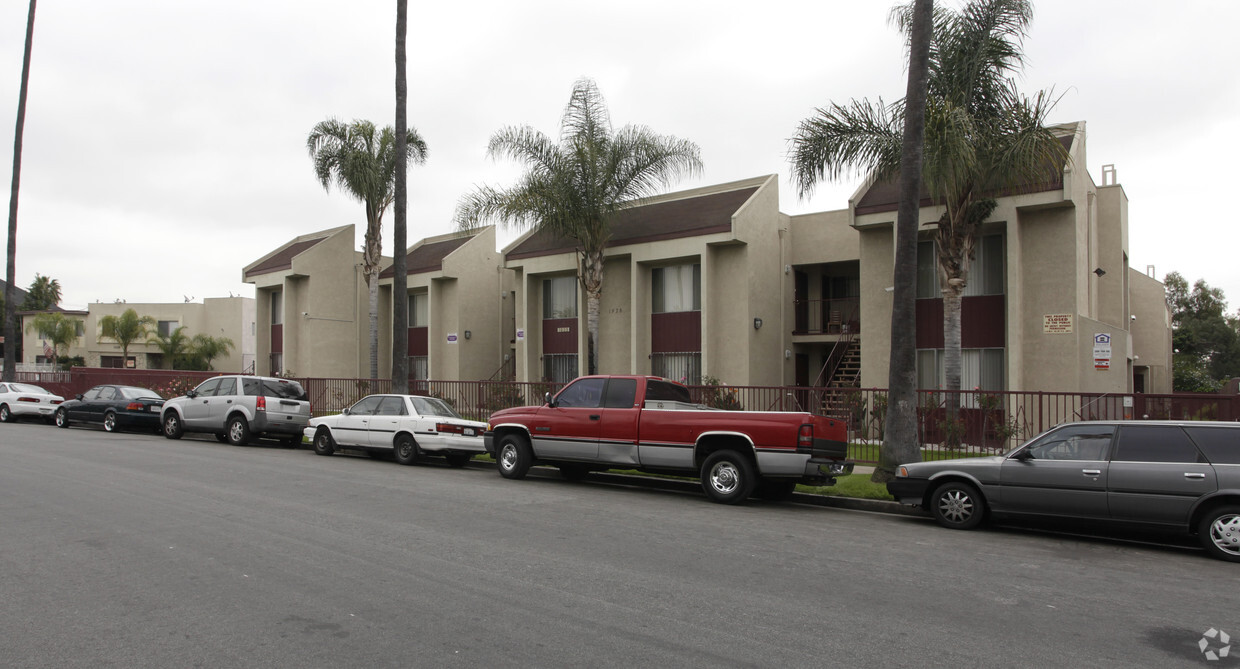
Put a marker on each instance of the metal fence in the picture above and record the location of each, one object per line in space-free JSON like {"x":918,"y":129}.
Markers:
{"x":987,"y":422}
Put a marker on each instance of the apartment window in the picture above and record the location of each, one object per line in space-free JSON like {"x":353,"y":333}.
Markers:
{"x":985,"y":270}
{"x":676,"y":288}
{"x":419,"y":308}
{"x":559,"y":367}
{"x":79,"y":328}
{"x":560,"y":297}
{"x":277,"y":363}
{"x":277,"y":307}
{"x":166,"y":328}
{"x":418,"y":368}
{"x":683,"y":367}
{"x":980,"y":368}
{"x":116,"y":362}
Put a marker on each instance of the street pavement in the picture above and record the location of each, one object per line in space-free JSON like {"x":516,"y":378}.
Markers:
{"x":136,"y":551}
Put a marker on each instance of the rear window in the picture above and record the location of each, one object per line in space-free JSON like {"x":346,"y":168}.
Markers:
{"x":1155,"y":443}
{"x":1221,"y":445}
{"x":664,"y":391}
{"x":132,"y":393}
{"x":282,"y":388}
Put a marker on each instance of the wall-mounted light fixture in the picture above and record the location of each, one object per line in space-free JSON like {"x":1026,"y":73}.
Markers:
{"x":757,"y":323}
{"x":1099,"y":271}
{"x":468,"y":334}
{"x":787,"y":354}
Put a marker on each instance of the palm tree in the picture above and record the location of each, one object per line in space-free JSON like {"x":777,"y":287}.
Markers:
{"x":173,"y":345}
{"x":206,"y":348}
{"x":575,"y":187}
{"x":362,"y":161}
{"x":400,"y":277}
{"x":57,"y":328}
{"x":125,"y":329}
{"x":10,"y":301}
{"x":43,"y":294}
{"x":982,"y":136}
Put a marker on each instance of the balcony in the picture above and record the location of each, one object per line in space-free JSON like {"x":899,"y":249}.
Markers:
{"x":827,"y":317}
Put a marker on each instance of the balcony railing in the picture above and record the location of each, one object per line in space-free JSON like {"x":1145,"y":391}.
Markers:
{"x":827,"y":316}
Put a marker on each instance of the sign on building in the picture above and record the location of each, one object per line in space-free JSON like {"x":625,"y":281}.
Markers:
{"x":1056,"y":323}
{"x":1102,"y":351}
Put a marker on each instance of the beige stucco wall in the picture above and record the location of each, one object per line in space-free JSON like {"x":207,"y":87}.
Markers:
{"x":1151,"y":331}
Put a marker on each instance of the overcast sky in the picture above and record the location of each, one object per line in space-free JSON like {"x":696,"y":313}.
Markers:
{"x":165,"y":139}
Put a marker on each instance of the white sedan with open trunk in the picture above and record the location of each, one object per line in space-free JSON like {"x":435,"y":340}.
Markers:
{"x":408,"y":426}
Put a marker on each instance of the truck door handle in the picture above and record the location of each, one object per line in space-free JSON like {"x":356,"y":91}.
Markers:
{"x":1091,"y":472}
{"x":595,"y":416}
{"x":1194,"y":475}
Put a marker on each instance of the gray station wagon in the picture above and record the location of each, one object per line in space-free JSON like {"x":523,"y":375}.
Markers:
{"x":1178,"y":475}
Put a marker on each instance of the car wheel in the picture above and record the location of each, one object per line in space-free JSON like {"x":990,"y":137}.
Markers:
{"x":573,"y":471}
{"x":221,"y":437}
{"x":458,"y":460}
{"x":6,"y":416}
{"x":775,"y":490}
{"x":957,"y":506}
{"x":109,"y":421}
{"x":172,"y":425}
{"x":1219,"y":531}
{"x":62,"y":418}
{"x":323,"y":442}
{"x":728,"y":477}
{"x":514,"y":457}
{"x":238,"y":431}
{"x":406,"y":450}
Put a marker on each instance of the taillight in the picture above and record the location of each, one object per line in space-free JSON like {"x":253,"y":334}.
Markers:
{"x":28,"y":399}
{"x":134,"y":406}
{"x":805,"y":437}
{"x":448,"y":427}
{"x":260,"y":403}
{"x":57,"y":401}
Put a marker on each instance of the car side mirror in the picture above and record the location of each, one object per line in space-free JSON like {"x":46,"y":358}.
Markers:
{"x":345,"y":412}
{"x":191,"y":394}
{"x":548,"y":399}
{"x":79,"y":396}
{"x":1023,"y":455}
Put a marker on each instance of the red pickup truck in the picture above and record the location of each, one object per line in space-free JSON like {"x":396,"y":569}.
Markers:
{"x":652,"y":424}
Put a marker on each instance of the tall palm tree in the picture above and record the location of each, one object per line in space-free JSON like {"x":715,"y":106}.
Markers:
{"x":362,"y":161}
{"x":207,"y":348}
{"x":57,"y":328}
{"x":10,"y":300}
{"x":982,"y":136}
{"x":43,"y":294}
{"x":575,"y":187}
{"x":126,"y":329}
{"x":174,"y":346}
{"x":400,"y":277}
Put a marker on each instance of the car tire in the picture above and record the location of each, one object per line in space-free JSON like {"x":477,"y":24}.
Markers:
{"x":1219,"y":532}
{"x":62,"y":418}
{"x":109,"y":421}
{"x":458,"y":460}
{"x":238,"y":431}
{"x":405,"y":450}
{"x":173,"y":429}
{"x":957,"y":506}
{"x":221,"y":437}
{"x":775,"y":490}
{"x":323,"y":442}
{"x":513,"y":457}
{"x":571,"y":471}
{"x":6,"y":416}
{"x":728,"y":477}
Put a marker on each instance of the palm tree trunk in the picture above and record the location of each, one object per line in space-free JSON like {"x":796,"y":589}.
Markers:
{"x":592,"y":281}
{"x":400,"y":281}
{"x":373,"y":286}
{"x":951,"y":349}
{"x":10,"y":298}
{"x":900,"y":442}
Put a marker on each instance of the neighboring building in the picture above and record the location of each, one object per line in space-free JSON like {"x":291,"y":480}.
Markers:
{"x":231,"y":317}
{"x":312,"y":307}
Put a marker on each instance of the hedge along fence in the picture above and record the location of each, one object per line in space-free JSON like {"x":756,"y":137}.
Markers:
{"x":988,"y":422}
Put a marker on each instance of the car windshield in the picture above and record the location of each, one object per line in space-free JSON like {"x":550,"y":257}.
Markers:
{"x":27,"y":388}
{"x":130,"y":393}
{"x":433,"y":406}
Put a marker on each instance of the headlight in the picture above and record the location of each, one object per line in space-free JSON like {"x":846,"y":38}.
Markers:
{"x":902,"y":472}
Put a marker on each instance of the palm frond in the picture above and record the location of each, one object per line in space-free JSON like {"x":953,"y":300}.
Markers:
{"x":837,"y":140}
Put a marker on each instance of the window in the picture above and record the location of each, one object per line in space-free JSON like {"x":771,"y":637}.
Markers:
{"x":207,"y":388}
{"x":365,"y":406}
{"x":277,"y":307}
{"x":1155,"y":443}
{"x":116,"y":362}
{"x":433,"y":406}
{"x":927,"y":271}
{"x":986,"y":271}
{"x":419,"y":304}
{"x":86,"y":397}
{"x":106,"y":393}
{"x":662,"y":391}
{"x":1220,"y":444}
{"x":585,"y":393}
{"x":227,"y":387}
{"x":418,"y":368}
{"x":79,"y":328}
{"x":137,"y":393}
{"x":683,"y":367}
{"x":166,"y":328}
{"x":980,"y":369}
{"x":560,"y":297}
{"x":282,"y":388}
{"x":559,"y":367}
{"x":621,"y":394}
{"x":392,"y":406}
{"x":1081,"y":442}
{"x":676,"y":288}
{"x":277,"y":363}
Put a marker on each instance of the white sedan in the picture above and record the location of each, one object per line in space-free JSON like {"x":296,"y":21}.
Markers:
{"x":22,"y":399}
{"x":408,"y":425}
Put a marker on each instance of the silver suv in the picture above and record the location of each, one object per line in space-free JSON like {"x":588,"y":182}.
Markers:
{"x":238,"y":408}
{"x":1179,"y":475}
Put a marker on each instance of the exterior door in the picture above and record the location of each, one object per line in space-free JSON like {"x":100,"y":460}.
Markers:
{"x":222,"y":401}
{"x":353,"y":428}
{"x":1157,"y":474}
{"x":617,"y":442}
{"x":570,"y":430}
{"x":386,"y":421}
{"x":196,"y":412}
{"x":1064,"y":474}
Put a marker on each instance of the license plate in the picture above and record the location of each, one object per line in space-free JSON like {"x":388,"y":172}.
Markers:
{"x":153,"y":409}
{"x":470,"y":432}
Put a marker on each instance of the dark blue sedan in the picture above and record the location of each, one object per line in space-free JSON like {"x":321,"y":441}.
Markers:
{"x":116,"y":407}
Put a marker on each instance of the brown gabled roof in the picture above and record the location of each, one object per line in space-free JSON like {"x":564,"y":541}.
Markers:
{"x":427,"y":257}
{"x":283,"y":259}
{"x":885,"y":196}
{"x":688,"y":217}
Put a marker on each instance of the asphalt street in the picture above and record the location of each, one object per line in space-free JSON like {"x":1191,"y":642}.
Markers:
{"x":132,"y":550}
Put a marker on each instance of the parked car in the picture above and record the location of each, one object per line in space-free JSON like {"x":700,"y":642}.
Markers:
{"x":116,"y":407}
{"x":1179,"y":475}
{"x":238,"y":408}
{"x":405,"y":425}
{"x":19,"y":400}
